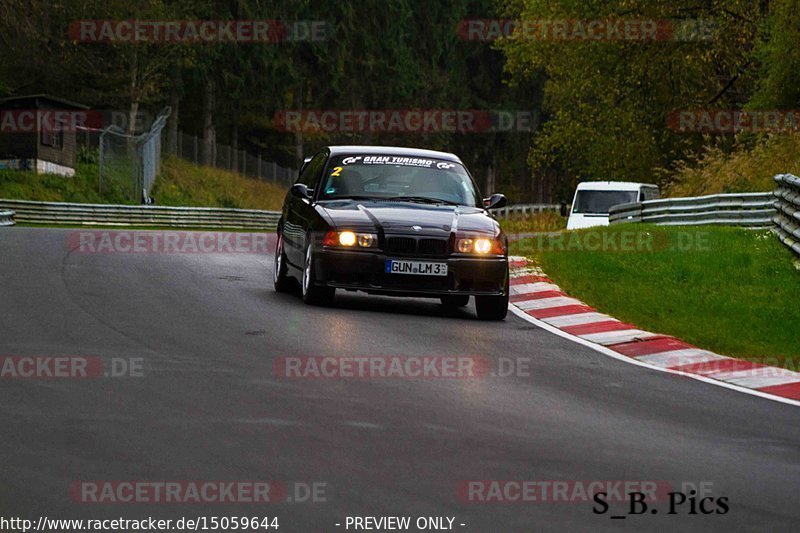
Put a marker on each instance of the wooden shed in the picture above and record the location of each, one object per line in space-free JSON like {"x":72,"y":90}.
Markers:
{"x":38,"y":133}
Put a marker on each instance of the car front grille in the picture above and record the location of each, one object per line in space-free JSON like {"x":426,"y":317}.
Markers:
{"x":401,"y":245}
{"x":434,"y":247}
{"x":417,"y":246}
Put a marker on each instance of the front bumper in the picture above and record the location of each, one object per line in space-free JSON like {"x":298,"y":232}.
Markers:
{"x":365,"y":271}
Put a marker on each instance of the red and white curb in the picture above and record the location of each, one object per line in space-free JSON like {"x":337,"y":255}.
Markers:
{"x":535,"y":298}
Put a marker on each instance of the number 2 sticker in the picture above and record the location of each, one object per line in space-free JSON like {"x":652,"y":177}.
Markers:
{"x":336,"y":172}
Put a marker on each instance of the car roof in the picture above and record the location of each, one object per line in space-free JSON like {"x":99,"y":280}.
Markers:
{"x":392,"y":150}
{"x":612,"y":186}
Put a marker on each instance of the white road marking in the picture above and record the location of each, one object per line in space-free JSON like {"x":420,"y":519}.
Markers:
{"x":539,"y":286}
{"x":631,"y":361}
{"x":616,"y":337}
{"x":758,"y":377}
{"x":367,"y":425}
{"x":673,"y":358}
{"x":544,"y":303}
{"x":267,"y":421}
{"x":577,"y":319}
{"x":740,"y":380}
{"x":524,"y":288}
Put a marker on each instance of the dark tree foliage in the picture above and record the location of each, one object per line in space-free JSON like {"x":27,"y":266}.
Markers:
{"x":602,"y":105}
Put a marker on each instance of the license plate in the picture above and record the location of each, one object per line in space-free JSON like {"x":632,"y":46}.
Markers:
{"x":420,"y":268}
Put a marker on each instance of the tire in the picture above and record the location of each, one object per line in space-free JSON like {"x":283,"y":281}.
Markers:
{"x":455,"y":300}
{"x":279,"y":278}
{"x":314,"y":294}
{"x":492,"y":307}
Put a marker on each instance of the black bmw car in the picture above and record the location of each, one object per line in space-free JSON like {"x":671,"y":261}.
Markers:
{"x":392,"y":221}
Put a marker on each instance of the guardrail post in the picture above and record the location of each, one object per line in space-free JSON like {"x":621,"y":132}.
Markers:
{"x":6,"y":218}
{"x":787,"y":213}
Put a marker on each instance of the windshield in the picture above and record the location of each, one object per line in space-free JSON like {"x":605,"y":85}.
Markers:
{"x":416,"y":179}
{"x":600,"y":202}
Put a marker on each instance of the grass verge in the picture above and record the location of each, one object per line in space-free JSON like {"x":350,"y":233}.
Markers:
{"x":180,"y":184}
{"x":82,"y":188}
{"x":546,"y":221}
{"x":185,"y":184}
{"x":728,"y":290}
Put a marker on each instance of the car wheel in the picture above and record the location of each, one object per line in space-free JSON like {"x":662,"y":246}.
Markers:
{"x":492,"y":307}
{"x":312,"y":293}
{"x":455,"y":301}
{"x":279,"y":278}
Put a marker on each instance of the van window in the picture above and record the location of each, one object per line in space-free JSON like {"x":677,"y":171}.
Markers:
{"x":599,"y":202}
{"x":649,"y":193}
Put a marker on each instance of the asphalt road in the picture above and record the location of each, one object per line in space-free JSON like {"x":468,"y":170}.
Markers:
{"x":207,"y":328}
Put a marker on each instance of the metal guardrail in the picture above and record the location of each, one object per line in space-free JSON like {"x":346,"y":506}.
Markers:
{"x":139,"y":215}
{"x":524,"y":210}
{"x":751,"y":210}
{"x":787,"y":216}
{"x":6,"y":218}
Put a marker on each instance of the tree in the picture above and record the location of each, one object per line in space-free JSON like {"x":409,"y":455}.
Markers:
{"x":778,"y":53}
{"x":606,"y":102}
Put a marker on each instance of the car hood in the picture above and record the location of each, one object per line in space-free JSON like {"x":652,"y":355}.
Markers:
{"x":407,"y":217}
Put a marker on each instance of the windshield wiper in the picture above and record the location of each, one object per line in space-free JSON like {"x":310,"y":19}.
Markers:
{"x":419,"y":199}
{"x":355,"y":197}
{"x":425,"y":200}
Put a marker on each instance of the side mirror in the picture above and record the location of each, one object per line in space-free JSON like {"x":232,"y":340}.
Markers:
{"x":495,"y":201}
{"x":564,"y":209}
{"x":299,"y":190}
{"x":306,"y":161}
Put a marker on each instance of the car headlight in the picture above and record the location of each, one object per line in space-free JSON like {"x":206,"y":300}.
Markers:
{"x":350,"y":239}
{"x":480,"y":245}
{"x":347,"y":238}
{"x":367,"y":240}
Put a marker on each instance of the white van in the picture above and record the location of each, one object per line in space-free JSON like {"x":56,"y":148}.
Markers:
{"x":593,"y":199}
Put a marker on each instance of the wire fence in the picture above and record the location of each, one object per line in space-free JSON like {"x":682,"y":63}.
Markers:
{"x":190,"y":148}
{"x":149,"y":146}
{"x":129,"y":164}
{"x":134,"y":160}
